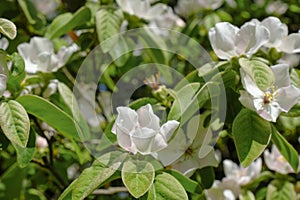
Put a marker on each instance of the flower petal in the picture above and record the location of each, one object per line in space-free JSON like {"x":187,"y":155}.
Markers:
{"x":251,"y":37}
{"x":3,"y":79}
{"x":250,"y":85}
{"x":168,"y":129}
{"x":277,"y":30}
{"x":124,"y":140}
{"x":174,"y":150}
{"x":147,"y":118}
{"x":270,"y":112}
{"x":288,"y":97}
{"x":222,"y":38}
{"x":291,"y":44}
{"x":246,"y":100}
{"x":281,"y":75}
{"x":127,"y":119}
{"x":143,"y":139}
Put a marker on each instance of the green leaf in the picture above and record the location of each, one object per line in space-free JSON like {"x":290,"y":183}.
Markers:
{"x":52,"y":115}
{"x":259,"y":72}
{"x":168,"y":187}
{"x":285,"y":148}
{"x":17,"y":74}
{"x":247,"y":195}
{"x":92,"y":177}
{"x":278,"y":190}
{"x":25,"y":155}
{"x":8,"y":28}
{"x":138,"y":177}
{"x":188,"y":184}
{"x":141,"y":102}
{"x":190,"y":99}
{"x":14,"y":122}
{"x":251,"y":136}
{"x":35,"y":19}
{"x":207,"y":176}
{"x":68,"y":21}
{"x":67,"y":193}
{"x":120,"y":52}
{"x":108,"y":23}
{"x":72,"y":104}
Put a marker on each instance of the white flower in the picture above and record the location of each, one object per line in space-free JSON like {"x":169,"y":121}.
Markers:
{"x":3,"y":79}
{"x":275,"y":161}
{"x":276,"y":7}
{"x":188,"y":7}
{"x":241,"y":175}
{"x":190,"y":151}
{"x":47,"y":7}
{"x":279,"y":37}
{"x":142,"y":9}
{"x":293,"y":60}
{"x":167,"y":20}
{"x":39,"y":55}
{"x":41,"y":142}
{"x":4,"y":43}
{"x":139,"y":131}
{"x":229,"y":41}
{"x":51,"y":88}
{"x":269,"y":104}
{"x":225,"y":190}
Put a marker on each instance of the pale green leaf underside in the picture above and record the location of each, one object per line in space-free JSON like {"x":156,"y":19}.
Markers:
{"x":15,"y":122}
{"x":8,"y":28}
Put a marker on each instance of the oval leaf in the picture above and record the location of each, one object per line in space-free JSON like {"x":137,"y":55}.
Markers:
{"x":168,"y":187}
{"x":285,"y":148}
{"x":259,"y":72}
{"x":52,"y":115}
{"x":278,"y":190}
{"x":137,"y":177}
{"x":92,"y":177}
{"x":14,"y":122}
{"x":8,"y":28}
{"x":25,"y":155}
{"x":251,"y":135}
{"x":67,"y":21}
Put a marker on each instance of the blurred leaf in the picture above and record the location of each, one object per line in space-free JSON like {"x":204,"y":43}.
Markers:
{"x":8,"y":28}
{"x":52,"y":115}
{"x":188,"y":184}
{"x":17,"y":74}
{"x":67,"y":21}
{"x":251,"y":136}
{"x":108,"y":23}
{"x":37,"y":21}
{"x":260,"y":73}
{"x":138,"y":177}
{"x":286,"y":149}
{"x":14,"y":122}
{"x":72,"y":104}
{"x":118,"y":50}
{"x":207,"y":176}
{"x":168,"y":187}
{"x":279,"y":190}
{"x":13,"y":179}
{"x":92,"y":177}
{"x":141,"y":102}
{"x":247,"y":195}
{"x":25,"y":155}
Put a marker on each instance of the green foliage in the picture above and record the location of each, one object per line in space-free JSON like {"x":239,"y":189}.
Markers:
{"x":14,"y":122}
{"x":8,"y":28}
{"x":251,"y":136}
{"x":137,"y":176}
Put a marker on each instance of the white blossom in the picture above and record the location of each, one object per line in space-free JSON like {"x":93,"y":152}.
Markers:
{"x":223,"y":190}
{"x":275,"y":161}
{"x":140,"y":132}
{"x":3,"y":79}
{"x":229,"y":41}
{"x":190,"y":151}
{"x":39,"y":55}
{"x":188,"y":7}
{"x":279,"y":37}
{"x":241,"y":175}
{"x":4,"y":43}
{"x":270,"y":103}
{"x":47,"y":7}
